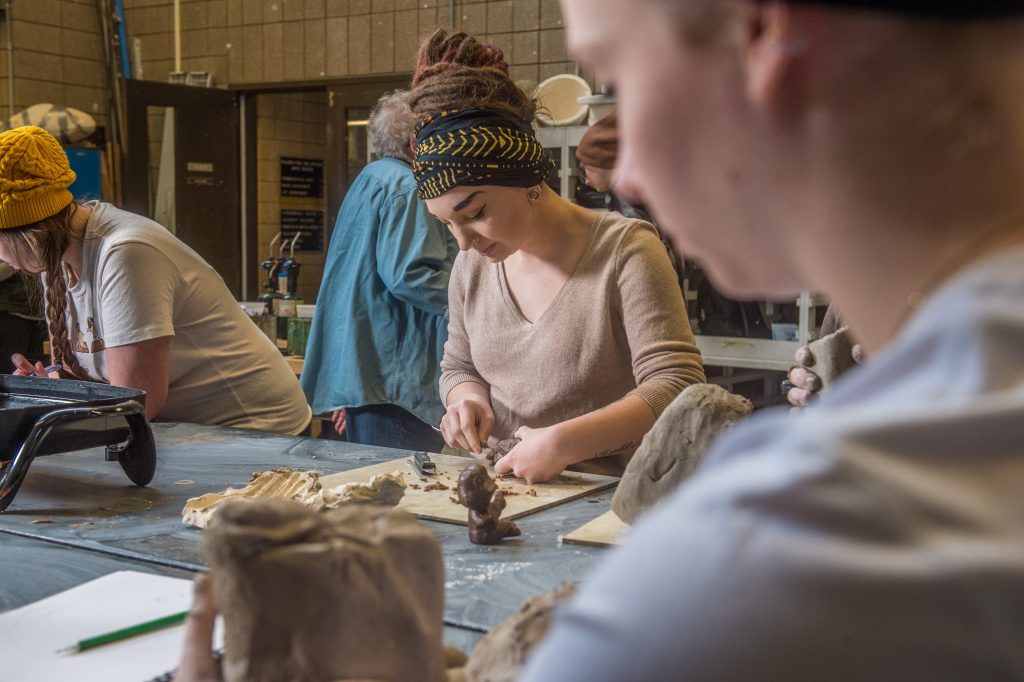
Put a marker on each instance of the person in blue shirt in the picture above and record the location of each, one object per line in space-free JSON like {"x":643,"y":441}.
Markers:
{"x":872,"y":150}
{"x":375,"y":346}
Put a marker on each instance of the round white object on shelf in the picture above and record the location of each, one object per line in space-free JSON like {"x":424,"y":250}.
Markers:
{"x":600,"y":104}
{"x":64,"y":123}
{"x":557,"y":97}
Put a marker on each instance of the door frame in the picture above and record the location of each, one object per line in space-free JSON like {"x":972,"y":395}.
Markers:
{"x":357,"y":91}
{"x":135,"y":174}
{"x":355,"y":94}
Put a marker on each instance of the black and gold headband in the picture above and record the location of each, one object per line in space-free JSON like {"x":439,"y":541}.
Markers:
{"x":476,"y":147}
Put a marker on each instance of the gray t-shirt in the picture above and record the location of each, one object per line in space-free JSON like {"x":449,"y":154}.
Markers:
{"x":878,"y":536}
{"x":140,"y":282}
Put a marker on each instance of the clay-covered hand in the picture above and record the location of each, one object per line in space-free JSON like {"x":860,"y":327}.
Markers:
{"x":538,"y":457}
{"x":338,"y":418}
{"x":820,"y":363}
{"x":467,"y":423}
{"x":197,"y":661}
{"x":805,"y":382}
{"x":24,"y":368}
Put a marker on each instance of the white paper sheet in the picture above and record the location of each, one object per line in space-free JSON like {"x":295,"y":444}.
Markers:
{"x":31,"y":635}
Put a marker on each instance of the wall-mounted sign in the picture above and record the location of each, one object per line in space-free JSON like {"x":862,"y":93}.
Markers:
{"x":309,"y":223}
{"x":302,"y":177}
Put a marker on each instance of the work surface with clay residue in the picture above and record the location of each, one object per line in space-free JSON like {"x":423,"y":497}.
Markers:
{"x":437,"y":498}
{"x":81,"y":519}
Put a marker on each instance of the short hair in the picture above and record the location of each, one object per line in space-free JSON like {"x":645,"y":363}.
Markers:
{"x":392,"y":125}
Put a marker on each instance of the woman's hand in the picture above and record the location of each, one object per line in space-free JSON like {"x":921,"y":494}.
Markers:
{"x":539,"y":456}
{"x":197,"y":662}
{"x":805,"y":382}
{"x":24,"y":368}
{"x":820,"y":363}
{"x":338,"y":418}
{"x":467,"y":423}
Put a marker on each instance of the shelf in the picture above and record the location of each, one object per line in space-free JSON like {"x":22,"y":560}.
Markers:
{"x":729,"y":351}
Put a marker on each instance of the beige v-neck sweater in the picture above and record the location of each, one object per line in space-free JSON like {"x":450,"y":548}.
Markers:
{"x":617,"y":327}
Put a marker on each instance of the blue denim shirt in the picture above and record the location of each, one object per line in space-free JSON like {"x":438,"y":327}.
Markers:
{"x":381,"y":317}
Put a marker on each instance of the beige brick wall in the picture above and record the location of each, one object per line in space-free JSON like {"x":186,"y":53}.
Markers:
{"x":58,"y":56}
{"x":291,"y":125}
{"x":265,"y":41}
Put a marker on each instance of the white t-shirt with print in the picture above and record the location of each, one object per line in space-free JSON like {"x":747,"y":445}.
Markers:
{"x":139,"y":282}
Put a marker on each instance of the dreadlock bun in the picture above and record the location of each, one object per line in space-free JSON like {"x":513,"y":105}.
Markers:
{"x":456,"y":71}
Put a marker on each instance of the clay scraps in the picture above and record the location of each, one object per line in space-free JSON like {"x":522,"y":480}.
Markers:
{"x":297,"y":486}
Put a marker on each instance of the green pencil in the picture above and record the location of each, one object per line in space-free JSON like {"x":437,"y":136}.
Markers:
{"x":125,"y":633}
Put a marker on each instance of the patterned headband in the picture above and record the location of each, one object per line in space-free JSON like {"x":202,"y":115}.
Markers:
{"x":476,"y":147}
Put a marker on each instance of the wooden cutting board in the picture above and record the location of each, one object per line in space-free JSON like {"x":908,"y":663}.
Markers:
{"x":521,"y":498}
{"x":604,"y":531}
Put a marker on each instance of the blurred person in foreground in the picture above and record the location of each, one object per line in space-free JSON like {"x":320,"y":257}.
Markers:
{"x":881,"y":534}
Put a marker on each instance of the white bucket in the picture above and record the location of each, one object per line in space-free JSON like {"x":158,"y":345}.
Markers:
{"x":557,"y":97}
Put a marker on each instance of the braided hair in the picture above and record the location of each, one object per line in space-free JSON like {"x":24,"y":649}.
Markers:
{"x":455,"y":71}
{"x":45,"y":242}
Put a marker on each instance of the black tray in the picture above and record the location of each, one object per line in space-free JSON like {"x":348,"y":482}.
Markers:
{"x":41,"y":416}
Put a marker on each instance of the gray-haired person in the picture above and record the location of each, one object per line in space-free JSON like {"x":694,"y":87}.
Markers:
{"x":377,"y":338}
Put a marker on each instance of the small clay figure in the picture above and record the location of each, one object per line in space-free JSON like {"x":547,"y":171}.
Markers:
{"x":501,"y":449}
{"x":479,"y":492}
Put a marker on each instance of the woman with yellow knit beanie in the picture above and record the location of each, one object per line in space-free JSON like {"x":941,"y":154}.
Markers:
{"x":130,"y":304}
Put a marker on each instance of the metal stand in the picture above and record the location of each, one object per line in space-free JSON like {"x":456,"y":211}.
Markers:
{"x":137,"y":456}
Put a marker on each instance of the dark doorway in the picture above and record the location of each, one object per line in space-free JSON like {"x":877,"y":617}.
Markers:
{"x":182,"y":168}
{"x":348,"y":106}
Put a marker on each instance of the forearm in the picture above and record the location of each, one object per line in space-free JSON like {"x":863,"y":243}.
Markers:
{"x":467,"y":389}
{"x":610,"y":430}
{"x":144,"y":365}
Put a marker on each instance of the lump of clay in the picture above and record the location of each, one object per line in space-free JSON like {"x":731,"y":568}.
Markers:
{"x":479,"y":492}
{"x":286,"y":484}
{"x":673,"y":448}
{"x":501,"y":449}
{"x":382,"y":489}
{"x":501,"y":653}
{"x":831,"y":356}
{"x":353,"y":593}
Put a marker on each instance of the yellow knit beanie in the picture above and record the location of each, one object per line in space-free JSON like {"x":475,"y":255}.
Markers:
{"x":34,"y":176}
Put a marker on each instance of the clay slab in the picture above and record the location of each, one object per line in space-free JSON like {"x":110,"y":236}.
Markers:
{"x":606,"y":530}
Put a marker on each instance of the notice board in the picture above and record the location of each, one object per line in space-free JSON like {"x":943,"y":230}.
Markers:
{"x":302,"y":177}
{"x":309,"y":223}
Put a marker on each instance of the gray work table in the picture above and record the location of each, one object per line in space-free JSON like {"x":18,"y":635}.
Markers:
{"x":34,"y":569}
{"x":85,"y":505}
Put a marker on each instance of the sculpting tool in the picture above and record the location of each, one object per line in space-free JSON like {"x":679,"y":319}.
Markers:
{"x":53,"y":368}
{"x":423,"y":465}
{"x":125,"y":633}
{"x":415,"y":468}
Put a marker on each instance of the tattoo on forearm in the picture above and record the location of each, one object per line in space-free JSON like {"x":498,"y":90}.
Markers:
{"x":625,"y":447}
